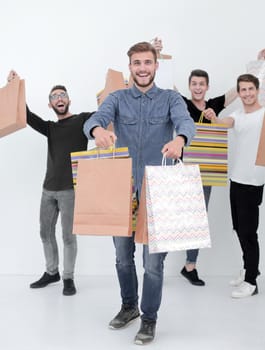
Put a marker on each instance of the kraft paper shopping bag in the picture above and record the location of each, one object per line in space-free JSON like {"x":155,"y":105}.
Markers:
{"x":260,"y":160}
{"x":103,"y":197}
{"x":96,"y":153}
{"x":12,"y":107}
{"x":141,"y":234}
{"x":114,"y":81}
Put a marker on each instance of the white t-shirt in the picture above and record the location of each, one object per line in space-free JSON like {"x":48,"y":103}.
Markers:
{"x":244,"y":137}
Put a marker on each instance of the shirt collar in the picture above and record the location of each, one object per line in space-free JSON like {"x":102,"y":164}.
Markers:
{"x":150,"y":93}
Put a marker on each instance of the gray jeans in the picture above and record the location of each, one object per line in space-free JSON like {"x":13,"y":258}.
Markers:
{"x":53,"y":203}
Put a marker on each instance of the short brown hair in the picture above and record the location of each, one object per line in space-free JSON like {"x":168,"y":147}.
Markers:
{"x":248,"y":78}
{"x":199,"y":73}
{"x":142,"y":47}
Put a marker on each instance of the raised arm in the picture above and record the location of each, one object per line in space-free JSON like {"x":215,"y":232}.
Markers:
{"x":230,"y":96}
{"x":228,"y":121}
{"x":157,"y":43}
{"x":261,"y":55}
{"x":12,"y":75}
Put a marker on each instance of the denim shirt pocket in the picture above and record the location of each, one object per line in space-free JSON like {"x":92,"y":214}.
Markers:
{"x":127,"y":120}
{"x":159,"y":120}
{"x":159,"y":129}
{"x":127,"y":126}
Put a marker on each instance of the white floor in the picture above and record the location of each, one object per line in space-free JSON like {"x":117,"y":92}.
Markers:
{"x":190,"y":317}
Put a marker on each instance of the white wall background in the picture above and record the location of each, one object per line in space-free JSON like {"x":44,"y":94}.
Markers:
{"x":73,"y":43}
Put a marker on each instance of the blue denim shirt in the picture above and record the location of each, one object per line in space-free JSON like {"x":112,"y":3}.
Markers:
{"x":143,"y":122}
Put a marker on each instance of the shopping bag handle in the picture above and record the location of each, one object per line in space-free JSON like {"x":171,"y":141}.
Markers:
{"x":201,"y":118}
{"x":174,"y":161}
{"x":111,"y":147}
{"x":200,"y":121}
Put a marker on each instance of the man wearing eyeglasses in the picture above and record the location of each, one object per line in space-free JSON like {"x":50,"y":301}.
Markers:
{"x":64,"y":136}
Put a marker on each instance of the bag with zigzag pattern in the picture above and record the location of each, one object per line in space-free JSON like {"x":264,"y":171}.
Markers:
{"x":176,"y":211}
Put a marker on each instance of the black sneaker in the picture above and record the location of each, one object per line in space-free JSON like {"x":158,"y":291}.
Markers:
{"x":192,"y":277}
{"x":146,"y":332}
{"x":45,"y":279}
{"x":124,"y":317}
{"x":69,"y":287}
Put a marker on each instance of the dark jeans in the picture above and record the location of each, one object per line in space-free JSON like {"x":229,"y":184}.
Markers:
{"x":245,"y":201}
{"x":153,"y":277}
{"x":192,"y":254}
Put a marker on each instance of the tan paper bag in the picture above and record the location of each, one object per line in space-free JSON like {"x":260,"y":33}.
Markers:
{"x":12,"y":107}
{"x":141,"y":233}
{"x":103,"y":197}
{"x":260,"y":160}
{"x":114,"y":81}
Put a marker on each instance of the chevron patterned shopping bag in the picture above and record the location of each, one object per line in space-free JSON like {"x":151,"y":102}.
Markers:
{"x":176,"y":212}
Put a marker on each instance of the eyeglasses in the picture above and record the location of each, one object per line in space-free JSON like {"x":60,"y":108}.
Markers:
{"x":57,"y":96}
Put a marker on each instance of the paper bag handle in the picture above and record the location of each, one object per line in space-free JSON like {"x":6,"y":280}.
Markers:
{"x":111,"y":147}
{"x":201,"y":118}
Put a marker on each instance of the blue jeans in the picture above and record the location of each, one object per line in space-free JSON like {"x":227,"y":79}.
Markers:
{"x":152,"y":281}
{"x":192,"y":254}
{"x":53,"y":203}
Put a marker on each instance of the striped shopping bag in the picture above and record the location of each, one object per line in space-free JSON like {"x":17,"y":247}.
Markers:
{"x":209,"y":149}
{"x":96,"y":153}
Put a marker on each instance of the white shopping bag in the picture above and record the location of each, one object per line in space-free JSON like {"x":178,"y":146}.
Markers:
{"x":176,"y":211}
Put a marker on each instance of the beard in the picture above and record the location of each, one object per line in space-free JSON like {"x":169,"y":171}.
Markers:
{"x":61,"y":112}
{"x":143,"y":85}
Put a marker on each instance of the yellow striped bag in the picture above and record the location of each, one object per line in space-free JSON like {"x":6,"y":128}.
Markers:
{"x":209,"y":149}
{"x":96,"y":153}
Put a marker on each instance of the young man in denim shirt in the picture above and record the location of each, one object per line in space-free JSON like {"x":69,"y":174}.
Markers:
{"x":144,"y":119}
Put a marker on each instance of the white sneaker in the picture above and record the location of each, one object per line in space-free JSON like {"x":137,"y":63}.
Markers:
{"x":238,"y":280}
{"x":245,"y":289}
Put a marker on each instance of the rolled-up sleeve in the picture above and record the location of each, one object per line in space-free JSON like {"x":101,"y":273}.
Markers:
{"x":180,"y":116}
{"x":103,"y":117}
